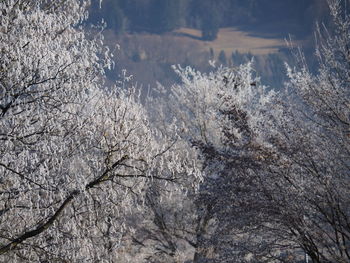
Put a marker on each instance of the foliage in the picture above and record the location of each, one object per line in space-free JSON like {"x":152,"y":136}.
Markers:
{"x":73,"y":155}
{"x":224,"y":116}
{"x":323,"y":161}
{"x":215,"y":169}
{"x":275,"y":165}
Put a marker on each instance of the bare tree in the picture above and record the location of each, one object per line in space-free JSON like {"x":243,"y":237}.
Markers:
{"x":275,"y":165}
{"x":72,"y":154}
{"x":324,"y":231}
{"x":225,"y":116}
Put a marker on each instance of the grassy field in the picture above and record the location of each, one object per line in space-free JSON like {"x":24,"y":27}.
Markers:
{"x":231,"y":39}
{"x":149,"y":56}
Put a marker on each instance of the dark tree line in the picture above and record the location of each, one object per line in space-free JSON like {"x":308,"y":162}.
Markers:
{"x":159,"y":16}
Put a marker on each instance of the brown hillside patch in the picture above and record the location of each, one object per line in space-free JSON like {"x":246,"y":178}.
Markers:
{"x":149,"y":56}
{"x":231,"y":39}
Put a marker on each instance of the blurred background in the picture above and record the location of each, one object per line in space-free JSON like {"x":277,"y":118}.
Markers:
{"x":155,"y":34}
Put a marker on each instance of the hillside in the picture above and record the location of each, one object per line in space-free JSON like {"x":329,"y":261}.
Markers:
{"x":231,"y":40}
{"x":156,"y":34}
{"x":149,"y":57}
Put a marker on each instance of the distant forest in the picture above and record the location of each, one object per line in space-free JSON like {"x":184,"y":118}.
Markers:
{"x":160,"y":16}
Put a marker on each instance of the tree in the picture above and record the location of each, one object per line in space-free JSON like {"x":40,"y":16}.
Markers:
{"x":225,"y":118}
{"x":322,"y":163}
{"x":222,"y":57}
{"x":165,"y":15}
{"x":75,"y":157}
{"x":208,"y":12}
{"x":113,"y":16}
{"x":138,"y":14}
{"x":275,"y":165}
{"x":230,"y":134}
{"x":73,"y":154}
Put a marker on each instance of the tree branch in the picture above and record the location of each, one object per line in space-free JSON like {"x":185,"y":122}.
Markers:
{"x":41,"y":228}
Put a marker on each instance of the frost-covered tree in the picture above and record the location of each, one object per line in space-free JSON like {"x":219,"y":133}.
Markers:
{"x":226,"y":116}
{"x":322,"y":135}
{"x":231,"y":130}
{"x":275,"y":166}
{"x":72,"y":153}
